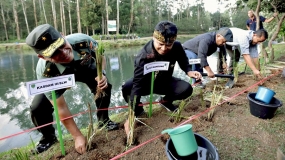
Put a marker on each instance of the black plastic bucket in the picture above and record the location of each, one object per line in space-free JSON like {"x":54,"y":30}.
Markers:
{"x":263,"y":110}
{"x":206,"y":150}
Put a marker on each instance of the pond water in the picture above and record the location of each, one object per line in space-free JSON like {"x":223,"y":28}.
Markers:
{"x":18,"y":67}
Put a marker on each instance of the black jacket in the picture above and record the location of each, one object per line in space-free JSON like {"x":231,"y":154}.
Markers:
{"x":149,"y":54}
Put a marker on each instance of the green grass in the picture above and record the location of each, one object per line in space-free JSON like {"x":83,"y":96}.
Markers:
{"x":244,"y":147}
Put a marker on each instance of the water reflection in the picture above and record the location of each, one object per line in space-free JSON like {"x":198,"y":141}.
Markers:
{"x":17,"y":67}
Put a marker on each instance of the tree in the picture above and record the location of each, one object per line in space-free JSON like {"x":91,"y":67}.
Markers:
{"x":239,"y":16}
{"x":131,"y":16}
{"x":220,"y":20}
{"x":25,"y":15}
{"x":78,"y":17}
{"x":35,"y":12}
{"x":118,"y":17}
{"x":268,"y":6}
{"x":4,"y":21}
{"x":107,"y":16}
{"x":44,"y":11}
{"x":53,"y":14}
{"x":277,"y":6}
{"x":16,"y":20}
{"x":69,"y":16}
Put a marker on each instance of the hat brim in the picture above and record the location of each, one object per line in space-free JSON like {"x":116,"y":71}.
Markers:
{"x":49,"y":51}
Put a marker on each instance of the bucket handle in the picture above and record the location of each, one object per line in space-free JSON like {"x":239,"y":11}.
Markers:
{"x":166,"y":131}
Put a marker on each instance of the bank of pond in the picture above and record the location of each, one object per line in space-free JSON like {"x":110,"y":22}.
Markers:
{"x":108,"y":43}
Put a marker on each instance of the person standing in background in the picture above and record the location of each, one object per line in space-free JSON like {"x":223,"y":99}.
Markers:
{"x":251,"y":25}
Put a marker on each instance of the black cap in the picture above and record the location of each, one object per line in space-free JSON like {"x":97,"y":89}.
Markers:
{"x":45,"y":40}
{"x":226,"y":33}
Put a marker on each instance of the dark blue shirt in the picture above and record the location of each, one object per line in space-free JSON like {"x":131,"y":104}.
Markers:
{"x":252,"y":23}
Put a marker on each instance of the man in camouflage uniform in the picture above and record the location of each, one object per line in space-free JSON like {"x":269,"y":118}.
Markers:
{"x":58,"y":55}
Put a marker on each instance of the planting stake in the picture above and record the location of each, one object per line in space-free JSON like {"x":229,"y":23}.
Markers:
{"x":58,"y":122}
{"x":151,"y":94}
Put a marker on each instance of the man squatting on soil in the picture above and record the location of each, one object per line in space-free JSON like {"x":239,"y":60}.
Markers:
{"x":247,"y":41}
{"x":163,"y":47}
{"x":205,"y":45}
{"x":58,"y":55}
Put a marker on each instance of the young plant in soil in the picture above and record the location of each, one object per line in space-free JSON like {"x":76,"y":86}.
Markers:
{"x":92,"y":130}
{"x":99,"y":60}
{"x":132,"y":119}
{"x":201,"y":95}
{"x":176,"y":115}
{"x":216,"y":98}
{"x":236,"y":70}
{"x":132,"y":122}
{"x":90,"y":133}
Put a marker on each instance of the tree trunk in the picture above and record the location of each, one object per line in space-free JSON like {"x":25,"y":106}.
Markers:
{"x":107,"y":17}
{"x":35,"y":12}
{"x":78,"y":17}
{"x":198,"y":16}
{"x":64,"y":20}
{"x":44,"y":11}
{"x":69,"y":16}
{"x":150,"y":15}
{"x":132,"y":16}
{"x":16,"y":20}
{"x":4,"y":22}
{"x":53,"y":14}
{"x":257,"y":14}
{"x":61,"y":16}
{"x":279,"y":24}
{"x":118,"y":17}
{"x":25,"y":15}
{"x":103,"y":25}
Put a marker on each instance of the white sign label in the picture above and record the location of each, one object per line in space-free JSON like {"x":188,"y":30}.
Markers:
{"x":156,"y":66}
{"x":194,"y":61}
{"x":112,"y":25}
{"x":50,"y":84}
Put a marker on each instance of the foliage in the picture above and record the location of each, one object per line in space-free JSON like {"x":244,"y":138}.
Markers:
{"x":220,"y":20}
{"x":189,"y":18}
{"x":240,"y":17}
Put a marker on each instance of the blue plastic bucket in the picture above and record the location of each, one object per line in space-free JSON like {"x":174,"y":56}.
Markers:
{"x":264,"y":94}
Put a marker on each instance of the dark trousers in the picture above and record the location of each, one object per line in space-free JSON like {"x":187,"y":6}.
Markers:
{"x":177,"y":89}
{"x":234,"y":59}
{"x":234,"y":55}
{"x":41,"y":108}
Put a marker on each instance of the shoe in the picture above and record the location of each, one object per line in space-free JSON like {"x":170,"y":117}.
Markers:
{"x":168,"y":106}
{"x":139,"y":111}
{"x":141,"y":114}
{"x":201,"y":85}
{"x":229,"y":84}
{"x":43,"y":146}
{"x":109,"y":126}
